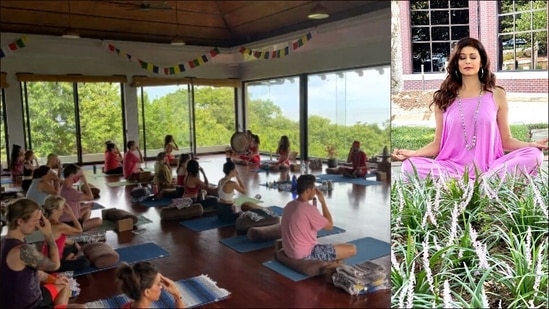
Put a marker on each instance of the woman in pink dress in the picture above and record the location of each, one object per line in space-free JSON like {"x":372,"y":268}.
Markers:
{"x":472,"y":130}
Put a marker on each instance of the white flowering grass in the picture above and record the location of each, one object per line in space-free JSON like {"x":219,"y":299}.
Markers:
{"x":470,"y":243}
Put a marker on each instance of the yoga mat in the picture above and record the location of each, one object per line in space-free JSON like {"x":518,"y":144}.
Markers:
{"x":6,"y":181}
{"x":121,"y":183}
{"x":340,"y":178}
{"x":37,"y":236}
{"x":242,"y":244}
{"x":368,"y":248}
{"x":196,"y":291}
{"x":97,"y":206}
{"x":212,"y":222}
{"x":130,"y":255}
{"x":157,"y":203}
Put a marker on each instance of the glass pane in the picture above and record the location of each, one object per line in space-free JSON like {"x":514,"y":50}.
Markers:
{"x":214,"y":113}
{"x":440,"y":18}
{"x":507,"y":54}
{"x":505,"y":6}
{"x":459,"y":3}
{"x":419,"y":4}
{"x":52,"y":123}
{"x":420,"y":34}
{"x":439,"y":4}
{"x":100,"y":119}
{"x":440,"y":56}
{"x":166,"y":112}
{"x":540,"y":46}
{"x":524,"y":21}
{"x":420,"y":18}
{"x":460,"y":16}
{"x":440,"y":33}
{"x":523,"y":5}
{"x":459,"y":32}
{"x":338,"y":114}
{"x":540,"y":20}
{"x":506,"y":24}
{"x":273,"y":111}
{"x":3,"y":149}
{"x":421,"y":53}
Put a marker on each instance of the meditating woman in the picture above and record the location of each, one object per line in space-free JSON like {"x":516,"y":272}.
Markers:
{"x":69,"y":250}
{"x":472,"y":128}
{"x":29,"y":165}
{"x":193,"y":185}
{"x":182,"y":172}
{"x":44,"y":183}
{"x":226,"y":210}
{"x":164,"y":185}
{"x":17,"y":161}
{"x":132,"y":158}
{"x":169,"y":146}
{"x":143,"y":283}
{"x":54,"y":163}
{"x":283,"y":152}
{"x":358,"y":159}
{"x":113,"y":160}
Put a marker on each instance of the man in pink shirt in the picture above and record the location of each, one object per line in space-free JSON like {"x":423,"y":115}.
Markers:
{"x":131,"y":161}
{"x":301,"y":222}
{"x":73,"y":198}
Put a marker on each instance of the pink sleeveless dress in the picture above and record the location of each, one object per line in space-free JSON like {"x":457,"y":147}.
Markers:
{"x":487,"y":156}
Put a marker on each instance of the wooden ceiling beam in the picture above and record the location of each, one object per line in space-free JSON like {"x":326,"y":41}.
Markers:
{"x":71,"y":78}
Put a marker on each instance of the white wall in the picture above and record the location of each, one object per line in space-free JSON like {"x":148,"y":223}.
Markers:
{"x":358,"y":41}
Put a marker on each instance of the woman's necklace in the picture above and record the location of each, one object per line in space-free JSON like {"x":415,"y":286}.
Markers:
{"x":474,"y":138}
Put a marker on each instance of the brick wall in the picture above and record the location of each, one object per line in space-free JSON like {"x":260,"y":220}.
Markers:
{"x":406,"y":36}
{"x":510,"y":85}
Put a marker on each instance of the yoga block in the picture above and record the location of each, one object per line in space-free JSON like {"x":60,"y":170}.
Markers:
{"x":124,"y":220}
{"x":100,"y":254}
{"x":307,"y":267}
{"x":332,"y":170}
{"x":124,"y":225}
{"x":144,"y":177}
{"x":245,"y":223}
{"x":264,"y":233}
{"x":172,"y":213}
{"x":294,"y":167}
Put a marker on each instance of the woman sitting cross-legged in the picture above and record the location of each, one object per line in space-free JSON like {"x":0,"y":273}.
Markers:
{"x":113,"y":160}
{"x":69,"y":250}
{"x":226,"y":210}
{"x":283,"y":152}
{"x":44,"y":182}
{"x":192,"y":185}
{"x":164,"y":185}
{"x":143,"y":283}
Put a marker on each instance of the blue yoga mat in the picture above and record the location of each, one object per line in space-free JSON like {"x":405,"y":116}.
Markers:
{"x":212,"y":222}
{"x":97,"y":206}
{"x":196,"y":291}
{"x":368,"y":248}
{"x":130,"y":255}
{"x":340,"y":178}
{"x":157,"y":203}
{"x":6,"y":181}
{"x":242,"y":244}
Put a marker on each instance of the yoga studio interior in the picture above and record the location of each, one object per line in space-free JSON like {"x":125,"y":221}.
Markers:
{"x":75,"y":74}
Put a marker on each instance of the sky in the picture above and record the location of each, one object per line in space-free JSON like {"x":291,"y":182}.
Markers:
{"x":346,"y":99}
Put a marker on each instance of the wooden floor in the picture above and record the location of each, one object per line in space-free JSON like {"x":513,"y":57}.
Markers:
{"x":361,"y":211}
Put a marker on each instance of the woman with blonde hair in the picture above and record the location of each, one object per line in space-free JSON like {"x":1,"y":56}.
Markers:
{"x":69,"y":250}
{"x":169,"y":146}
{"x":143,"y":283}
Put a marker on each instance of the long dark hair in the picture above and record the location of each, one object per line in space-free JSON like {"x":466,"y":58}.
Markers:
{"x":110,"y":146}
{"x":15,"y":150}
{"x":283,"y":144}
{"x":137,"y":278}
{"x":449,"y":88}
{"x":193,"y":167}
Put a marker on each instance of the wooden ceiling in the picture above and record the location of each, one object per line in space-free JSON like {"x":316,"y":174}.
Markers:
{"x":200,"y":23}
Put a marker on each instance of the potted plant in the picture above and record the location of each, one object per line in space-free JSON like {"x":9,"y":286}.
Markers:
{"x":332,"y":161}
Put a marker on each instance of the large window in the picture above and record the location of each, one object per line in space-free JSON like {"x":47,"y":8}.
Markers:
{"x":164,"y":110}
{"x":346,"y":106}
{"x":435,"y":25}
{"x":214,"y":115}
{"x":72,"y":120}
{"x":3,"y":134}
{"x":522,"y":35}
{"x":273,"y":111}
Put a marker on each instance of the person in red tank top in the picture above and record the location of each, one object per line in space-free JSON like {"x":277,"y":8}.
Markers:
{"x":283,"y":152}
{"x":358,"y":158}
{"x":113,"y":160}
{"x":143,"y":283}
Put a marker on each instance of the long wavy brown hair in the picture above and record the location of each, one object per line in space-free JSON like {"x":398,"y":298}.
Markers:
{"x":449,"y":88}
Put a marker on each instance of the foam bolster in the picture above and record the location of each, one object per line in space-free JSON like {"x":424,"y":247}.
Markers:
{"x":115,"y":214}
{"x":332,"y":170}
{"x":172,"y":213}
{"x":264,"y":233}
{"x":307,"y":267}
{"x":245,"y":223}
{"x":100,"y":254}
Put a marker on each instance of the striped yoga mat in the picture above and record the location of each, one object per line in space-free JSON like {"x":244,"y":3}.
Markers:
{"x":196,"y":291}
